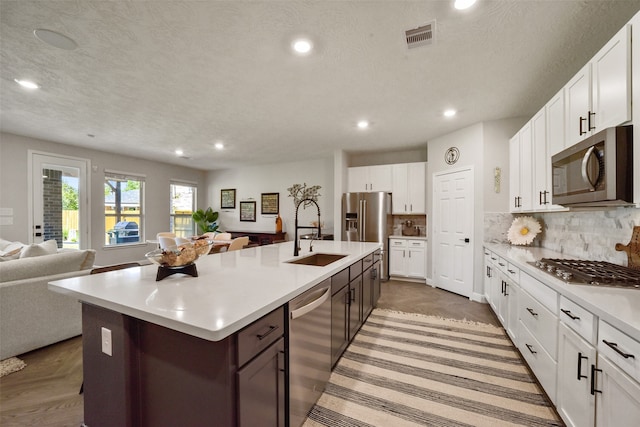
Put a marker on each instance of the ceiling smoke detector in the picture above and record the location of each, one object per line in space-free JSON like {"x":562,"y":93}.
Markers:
{"x":421,"y":36}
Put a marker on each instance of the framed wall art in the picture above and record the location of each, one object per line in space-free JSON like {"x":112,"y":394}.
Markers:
{"x":248,"y":211}
{"x":228,"y":199}
{"x":270,"y":204}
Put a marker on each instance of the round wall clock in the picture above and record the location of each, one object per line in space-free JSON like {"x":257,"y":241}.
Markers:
{"x":452,"y":155}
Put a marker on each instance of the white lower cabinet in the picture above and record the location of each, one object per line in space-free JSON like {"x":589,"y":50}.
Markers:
{"x":589,"y":369}
{"x":407,"y":258}
{"x":574,"y":402}
{"x":617,"y":396}
{"x":539,"y":360}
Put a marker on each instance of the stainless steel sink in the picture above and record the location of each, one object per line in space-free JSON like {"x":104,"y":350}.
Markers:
{"x":318,"y":259}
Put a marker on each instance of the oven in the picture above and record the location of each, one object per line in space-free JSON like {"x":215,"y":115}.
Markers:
{"x":593,"y":273}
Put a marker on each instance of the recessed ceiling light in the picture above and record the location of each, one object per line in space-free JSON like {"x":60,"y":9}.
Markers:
{"x":363,"y":124}
{"x":55,"y":39}
{"x":449,"y":113}
{"x":218,"y":145}
{"x":179,"y":152}
{"x":463,"y":4}
{"x":26,"y":84}
{"x":302,"y":46}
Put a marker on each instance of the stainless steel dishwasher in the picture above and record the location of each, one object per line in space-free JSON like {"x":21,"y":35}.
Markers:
{"x":309,"y":349}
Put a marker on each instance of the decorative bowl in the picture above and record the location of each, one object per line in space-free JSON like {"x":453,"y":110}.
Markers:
{"x":180,"y":255}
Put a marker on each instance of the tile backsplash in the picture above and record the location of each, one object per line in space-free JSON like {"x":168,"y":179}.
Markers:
{"x":585,"y":234}
{"x":419,"y":220}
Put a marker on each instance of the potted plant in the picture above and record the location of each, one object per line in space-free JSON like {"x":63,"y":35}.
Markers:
{"x":206,"y":220}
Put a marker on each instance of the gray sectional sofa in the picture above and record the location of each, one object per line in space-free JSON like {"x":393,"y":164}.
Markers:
{"x":32,"y":316}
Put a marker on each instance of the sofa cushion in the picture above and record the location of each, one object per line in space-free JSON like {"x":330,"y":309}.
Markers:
{"x":39,"y":249}
{"x":46,"y":265}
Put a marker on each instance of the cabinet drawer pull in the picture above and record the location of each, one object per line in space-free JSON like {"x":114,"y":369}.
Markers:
{"x":271,"y":329}
{"x":593,"y":380}
{"x":570,"y":314}
{"x":530,"y":347}
{"x":501,"y":264}
{"x":580,"y":357}
{"x":511,"y":271}
{"x":615,"y":348}
{"x":494,"y":258}
{"x":533,"y":313}
{"x":589,"y":114}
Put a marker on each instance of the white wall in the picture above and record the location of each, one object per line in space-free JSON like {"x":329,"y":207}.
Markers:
{"x":250,"y":182}
{"x":14,"y":192}
{"x":496,"y":135}
{"x":483,"y":146}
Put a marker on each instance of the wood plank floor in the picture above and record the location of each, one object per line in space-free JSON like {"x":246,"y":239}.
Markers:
{"x":45,"y":393}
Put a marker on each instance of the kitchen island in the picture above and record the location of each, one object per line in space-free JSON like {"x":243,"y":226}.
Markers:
{"x":177,"y":349}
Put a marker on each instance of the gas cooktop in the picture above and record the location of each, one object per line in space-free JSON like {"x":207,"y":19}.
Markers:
{"x":596,"y":273}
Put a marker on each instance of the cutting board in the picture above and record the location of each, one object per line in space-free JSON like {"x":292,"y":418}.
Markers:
{"x":632,"y":249}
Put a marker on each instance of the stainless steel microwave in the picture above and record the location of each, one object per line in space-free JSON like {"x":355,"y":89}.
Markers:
{"x":597,"y":171}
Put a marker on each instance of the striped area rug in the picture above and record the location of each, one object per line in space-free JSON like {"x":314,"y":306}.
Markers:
{"x":407,"y":369}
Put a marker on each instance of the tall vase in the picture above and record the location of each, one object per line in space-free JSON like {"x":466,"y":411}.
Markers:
{"x":278,"y":224}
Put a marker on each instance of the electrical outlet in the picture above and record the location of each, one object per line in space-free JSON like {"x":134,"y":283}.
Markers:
{"x":106,"y":341}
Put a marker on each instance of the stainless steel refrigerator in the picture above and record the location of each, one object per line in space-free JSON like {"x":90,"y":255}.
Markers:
{"x":366,"y":217}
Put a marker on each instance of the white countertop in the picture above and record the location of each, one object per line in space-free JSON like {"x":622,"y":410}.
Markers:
{"x":617,"y":306}
{"x":232,"y":289}
{"x":399,"y":236}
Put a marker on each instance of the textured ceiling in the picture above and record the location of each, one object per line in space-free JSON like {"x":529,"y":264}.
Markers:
{"x":152,"y":76}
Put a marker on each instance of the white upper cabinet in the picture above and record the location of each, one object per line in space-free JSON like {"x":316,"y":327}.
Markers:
{"x":599,"y":96}
{"x":369,"y":178}
{"x":514,"y":174}
{"x":611,"y":82}
{"x":555,"y":125}
{"x":521,"y":170}
{"x":547,"y":126}
{"x":578,"y":105}
{"x":409,"y":188}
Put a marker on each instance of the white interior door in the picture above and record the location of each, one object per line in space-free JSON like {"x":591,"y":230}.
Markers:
{"x":452,"y":231}
{"x":59,"y":200}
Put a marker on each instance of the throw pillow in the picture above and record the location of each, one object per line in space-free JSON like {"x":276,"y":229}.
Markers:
{"x":38,"y":249}
{"x":10,"y":251}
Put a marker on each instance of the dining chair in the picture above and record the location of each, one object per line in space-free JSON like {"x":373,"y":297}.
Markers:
{"x":238,"y":243}
{"x":222,"y":236}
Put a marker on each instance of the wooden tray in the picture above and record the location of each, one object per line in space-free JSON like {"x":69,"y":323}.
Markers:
{"x":632,"y":249}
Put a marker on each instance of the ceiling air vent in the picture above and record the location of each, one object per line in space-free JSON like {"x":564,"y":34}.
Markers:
{"x":421,"y":36}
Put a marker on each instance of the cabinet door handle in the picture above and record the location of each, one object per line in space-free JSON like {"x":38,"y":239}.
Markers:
{"x":539,"y":197}
{"x":570,"y":314}
{"x":582,"y":119}
{"x":589,"y":114}
{"x":546,"y":202}
{"x":271,"y":329}
{"x":533,"y":313}
{"x":580,"y":357}
{"x":615,"y":348}
{"x":352,"y":293}
{"x":530,"y":347}
{"x":506,"y":294}
{"x":593,"y":380}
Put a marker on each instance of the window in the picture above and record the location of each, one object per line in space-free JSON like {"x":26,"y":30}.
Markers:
{"x":183,"y":203}
{"x":123,"y":208}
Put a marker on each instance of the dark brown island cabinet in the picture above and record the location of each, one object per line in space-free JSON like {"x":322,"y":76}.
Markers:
{"x":157,"y":376}
{"x":355,"y":291}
